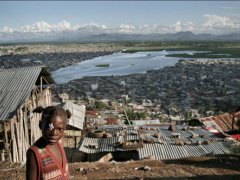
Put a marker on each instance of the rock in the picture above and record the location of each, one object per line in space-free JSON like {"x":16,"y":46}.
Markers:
{"x":187,"y":142}
{"x":194,"y":135}
{"x":79,"y":169}
{"x":185,"y":128}
{"x":114,"y":162}
{"x":107,"y":135}
{"x":179,"y":142}
{"x":176,"y":135}
{"x":160,"y":141}
{"x":199,"y":142}
{"x":84,"y":171}
{"x":172,"y":128}
{"x":106,"y":158}
{"x":147,"y":168}
{"x":150,"y":157}
{"x":157,"y":135}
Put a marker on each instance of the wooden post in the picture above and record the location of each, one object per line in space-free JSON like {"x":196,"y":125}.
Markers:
{"x":6,"y":128}
{"x":25,"y":132}
{"x":12,"y":137}
{"x":15,"y":141}
{"x":2,"y":155}
{"x":41,"y":83}
{"x":19,"y":133}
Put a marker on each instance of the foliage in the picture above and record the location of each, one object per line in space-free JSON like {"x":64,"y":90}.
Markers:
{"x":101,"y":105}
{"x":135,"y":115}
{"x":102,"y":65}
{"x":235,"y":148}
{"x":188,"y":115}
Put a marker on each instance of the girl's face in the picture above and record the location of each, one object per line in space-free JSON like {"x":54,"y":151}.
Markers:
{"x":53,"y":131}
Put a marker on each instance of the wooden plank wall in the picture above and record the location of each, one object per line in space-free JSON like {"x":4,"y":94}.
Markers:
{"x":24,"y":127}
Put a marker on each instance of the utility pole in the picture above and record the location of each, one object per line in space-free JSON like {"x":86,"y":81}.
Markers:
{"x":126,"y":116}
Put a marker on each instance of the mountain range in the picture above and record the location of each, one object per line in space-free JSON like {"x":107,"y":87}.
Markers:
{"x":69,"y":36}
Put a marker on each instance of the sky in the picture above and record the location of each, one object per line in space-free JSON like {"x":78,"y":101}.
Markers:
{"x":120,"y":16}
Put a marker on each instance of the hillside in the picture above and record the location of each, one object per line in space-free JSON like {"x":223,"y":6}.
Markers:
{"x":224,"y":167}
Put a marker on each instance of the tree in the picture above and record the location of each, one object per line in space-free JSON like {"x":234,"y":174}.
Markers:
{"x":100,"y":105}
{"x":135,"y":115}
{"x":188,"y":115}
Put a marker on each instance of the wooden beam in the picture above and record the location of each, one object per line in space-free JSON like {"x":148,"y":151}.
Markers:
{"x":2,"y":155}
{"x":45,"y":80}
{"x":41,"y":83}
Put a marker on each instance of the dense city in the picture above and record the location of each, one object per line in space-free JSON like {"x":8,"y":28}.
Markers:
{"x":128,"y":126}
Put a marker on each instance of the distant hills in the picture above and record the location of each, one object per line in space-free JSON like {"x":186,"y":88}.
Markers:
{"x":68,"y":36}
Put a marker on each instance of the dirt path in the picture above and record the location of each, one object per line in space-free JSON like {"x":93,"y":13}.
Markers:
{"x":189,"y":168}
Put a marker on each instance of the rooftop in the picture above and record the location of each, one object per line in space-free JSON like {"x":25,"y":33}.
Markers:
{"x":16,"y":85}
{"x":158,"y":141}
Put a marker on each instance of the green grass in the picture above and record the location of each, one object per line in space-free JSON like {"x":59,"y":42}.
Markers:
{"x":214,"y":48}
{"x":231,"y":53}
{"x":102,"y":65}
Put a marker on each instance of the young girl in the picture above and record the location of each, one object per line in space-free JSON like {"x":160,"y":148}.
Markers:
{"x":46,"y":159}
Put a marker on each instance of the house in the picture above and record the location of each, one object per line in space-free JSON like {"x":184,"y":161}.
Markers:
{"x":145,"y":122}
{"x":64,"y":97}
{"x":73,"y":133}
{"x":21,"y":91}
{"x":140,"y":142}
{"x":223,"y":122}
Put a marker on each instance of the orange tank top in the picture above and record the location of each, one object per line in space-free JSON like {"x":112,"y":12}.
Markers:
{"x":49,"y":168}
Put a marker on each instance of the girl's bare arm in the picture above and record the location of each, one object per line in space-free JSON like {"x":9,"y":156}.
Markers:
{"x":31,"y":166}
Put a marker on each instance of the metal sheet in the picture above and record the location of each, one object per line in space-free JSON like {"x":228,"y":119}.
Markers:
{"x":15,"y":86}
{"x":162,"y":151}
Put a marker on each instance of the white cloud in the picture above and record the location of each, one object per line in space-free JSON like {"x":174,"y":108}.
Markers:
{"x":6,"y":29}
{"x":43,"y":26}
{"x":63,"y":26}
{"x":127,"y":28}
{"x":91,"y":28}
{"x":217,"y":21}
{"x":211,"y":24}
{"x":186,"y":26}
{"x":178,"y":26}
{"x":220,"y":24}
{"x":154,"y":28}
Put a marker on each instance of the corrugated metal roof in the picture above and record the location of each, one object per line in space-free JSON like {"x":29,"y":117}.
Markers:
{"x":145,"y":122}
{"x":15,"y":86}
{"x":168,"y":150}
{"x":171,"y":151}
{"x":78,"y":114}
{"x":222,"y":123}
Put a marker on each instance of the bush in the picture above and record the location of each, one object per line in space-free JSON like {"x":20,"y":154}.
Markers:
{"x":101,"y":105}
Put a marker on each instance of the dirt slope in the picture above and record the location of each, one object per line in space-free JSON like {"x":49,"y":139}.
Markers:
{"x":189,"y":168}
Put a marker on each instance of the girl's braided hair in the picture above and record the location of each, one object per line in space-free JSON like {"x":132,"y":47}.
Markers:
{"x":52,"y":111}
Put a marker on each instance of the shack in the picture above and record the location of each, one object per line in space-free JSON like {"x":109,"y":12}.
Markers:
{"x":223,"y":123}
{"x":123,"y":143}
{"x":21,"y":91}
{"x":73,"y":133}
